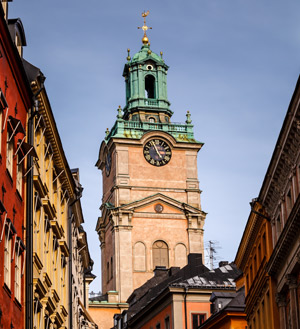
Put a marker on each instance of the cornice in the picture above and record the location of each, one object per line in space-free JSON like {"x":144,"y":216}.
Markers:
{"x":53,"y":136}
{"x":288,"y":236}
{"x":254,"y":223}
{"x":284,"y":158}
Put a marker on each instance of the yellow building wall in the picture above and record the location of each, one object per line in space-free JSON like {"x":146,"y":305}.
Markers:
{"x":50,"y":227}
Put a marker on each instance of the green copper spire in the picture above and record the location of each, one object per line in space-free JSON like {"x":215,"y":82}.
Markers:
{"x":147,"y":106}
{"x":146,"y":84}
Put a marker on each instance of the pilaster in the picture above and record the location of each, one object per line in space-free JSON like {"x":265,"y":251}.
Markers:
{"x":123,"y":255}
{"x":177,"y":311}
{"x":281,"y":303}
{"x":294,"y":313}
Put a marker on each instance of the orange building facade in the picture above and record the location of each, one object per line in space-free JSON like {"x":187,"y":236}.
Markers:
{"x":269,"y":250}
{"x":253,"y":254}
{"x":178,"y":308}
{"x":177,"y":298}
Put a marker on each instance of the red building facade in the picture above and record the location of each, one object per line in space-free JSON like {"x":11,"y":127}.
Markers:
{"x":15,"y":103}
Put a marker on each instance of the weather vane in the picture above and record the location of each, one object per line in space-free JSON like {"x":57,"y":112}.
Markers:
{"x":145,"y":39}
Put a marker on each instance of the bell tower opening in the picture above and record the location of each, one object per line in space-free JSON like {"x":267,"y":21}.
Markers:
{"x":149,"y":86}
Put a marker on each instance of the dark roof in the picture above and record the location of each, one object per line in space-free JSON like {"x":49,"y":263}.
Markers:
{"x":238,"y":301}
{"x":193,"y":275}
{"x":160,"y":275}
{"x":222,"y":277}
{"x":99,"y":298}
{"x":237,"y":304}
{"x":14,"y":25}
{"x":162,"y":280}
{"x":222,"y":294}
{"x":33,"y":72}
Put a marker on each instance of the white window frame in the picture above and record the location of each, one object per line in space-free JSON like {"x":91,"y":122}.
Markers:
{"x":9,"y":154}
{"x":18,"y":261}
{"x":7,"y":258}
{"x":19,"y":182}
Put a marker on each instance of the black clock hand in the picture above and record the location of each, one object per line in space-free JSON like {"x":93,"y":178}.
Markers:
{"x":156,"y":149}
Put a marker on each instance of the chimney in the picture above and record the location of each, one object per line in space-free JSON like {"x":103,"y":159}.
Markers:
{"x":173,"y":270}
{"x":160,"y":270}
{"x":195,"y":259}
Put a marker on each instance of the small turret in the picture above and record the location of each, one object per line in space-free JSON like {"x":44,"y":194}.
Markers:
{"x":146,"y":85}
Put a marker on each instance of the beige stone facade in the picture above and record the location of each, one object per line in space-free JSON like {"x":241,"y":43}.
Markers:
{"x":60,"y":249}
{"x":131,"y":222}
{"x":53,"y":188}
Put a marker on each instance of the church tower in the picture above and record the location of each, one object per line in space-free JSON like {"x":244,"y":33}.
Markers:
{"x":151,"y":213}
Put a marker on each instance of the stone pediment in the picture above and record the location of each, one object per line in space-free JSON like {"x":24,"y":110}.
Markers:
{"x":170,"y":205}
{"x":146,"y":207}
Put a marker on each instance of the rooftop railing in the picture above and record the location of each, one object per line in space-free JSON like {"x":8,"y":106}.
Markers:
{"x":134,"y":128}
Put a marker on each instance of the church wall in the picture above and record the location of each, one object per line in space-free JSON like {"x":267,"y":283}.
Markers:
{"x":108,"y":181}
{"x":152,"y":194}
{"x":143,"y":174}
{"x":125,"y":264}
{"x":107,"y":277}
{"x":141,"y":193}
{"x":148,"y":230}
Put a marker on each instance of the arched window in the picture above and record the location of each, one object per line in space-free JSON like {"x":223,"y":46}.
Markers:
{"x":151,"y":120}
{"x":149,"y":86}
{"x":160,"y":254}
{"x":180,"y":255}
{"x":139,"y":260}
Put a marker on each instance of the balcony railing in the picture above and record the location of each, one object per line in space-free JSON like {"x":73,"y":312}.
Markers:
{"x":151,"y":102}
{"x":134,"y":129}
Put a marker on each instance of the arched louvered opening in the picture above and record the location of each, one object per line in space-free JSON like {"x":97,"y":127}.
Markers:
{"x":149,"y":86}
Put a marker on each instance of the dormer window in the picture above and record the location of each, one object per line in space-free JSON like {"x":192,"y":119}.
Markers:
{"x":19,"y":44}
{"x":149,"y":86}
{"x":16,"y":31}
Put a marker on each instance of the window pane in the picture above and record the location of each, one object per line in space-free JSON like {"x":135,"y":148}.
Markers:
{"x":160,"y":254}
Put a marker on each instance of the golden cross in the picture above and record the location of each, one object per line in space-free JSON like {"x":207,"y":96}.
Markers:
{"x":145,"y":27}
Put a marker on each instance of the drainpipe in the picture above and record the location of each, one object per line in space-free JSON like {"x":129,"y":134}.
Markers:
{"x":29,"y":231}
{"x":185,"y":311}
{"x":70,"y":268}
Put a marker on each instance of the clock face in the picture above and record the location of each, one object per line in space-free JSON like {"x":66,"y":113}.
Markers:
{"x":157,"y":152}
{"x":107,"y":164}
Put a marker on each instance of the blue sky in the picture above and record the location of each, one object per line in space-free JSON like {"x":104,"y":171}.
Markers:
{"x":233,"y":64}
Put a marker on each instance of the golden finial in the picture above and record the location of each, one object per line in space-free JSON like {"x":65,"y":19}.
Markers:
{"x":145,"y":39}
{"x":128,"y":57}
{"x":119,"y":116}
